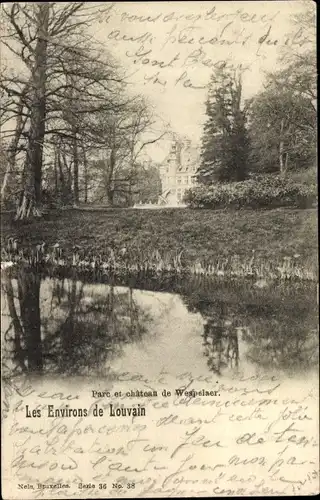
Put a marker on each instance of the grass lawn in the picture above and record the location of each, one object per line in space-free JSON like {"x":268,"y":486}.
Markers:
{"x":202,"y":235}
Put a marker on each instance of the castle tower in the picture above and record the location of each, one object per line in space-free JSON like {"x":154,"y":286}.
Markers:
{"x":177,"y":171}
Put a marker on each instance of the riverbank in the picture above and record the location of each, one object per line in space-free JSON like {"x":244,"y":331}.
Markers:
{"x":190,"y":239}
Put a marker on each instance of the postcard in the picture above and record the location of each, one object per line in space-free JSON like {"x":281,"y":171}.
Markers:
{"x":159,"y":307}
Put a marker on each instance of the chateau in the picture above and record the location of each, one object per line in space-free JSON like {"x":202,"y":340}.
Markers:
{"x":177,"y":172}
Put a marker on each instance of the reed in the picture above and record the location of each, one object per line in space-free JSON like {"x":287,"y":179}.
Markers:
{"x":126,"y":261}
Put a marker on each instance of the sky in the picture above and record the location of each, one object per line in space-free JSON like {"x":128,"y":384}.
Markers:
{"x":169,"y":49}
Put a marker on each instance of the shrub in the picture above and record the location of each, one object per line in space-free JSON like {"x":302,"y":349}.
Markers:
{"x":267,"y":191}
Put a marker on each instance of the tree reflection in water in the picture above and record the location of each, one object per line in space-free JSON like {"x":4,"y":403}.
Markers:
{"x":220,"y":341}
{"x":274,"y":332}
{"x":282,"y":342}
{"x":63,"y":326}
{"x":76,"y":332}
{"x":23,"y":337}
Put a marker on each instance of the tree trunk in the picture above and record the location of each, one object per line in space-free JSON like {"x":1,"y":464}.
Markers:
{"x":68,"y":332}
{"x":109,"y":177}
{"x":85,"y":165}
{"x":281,"y":147}
{"x":282,"y":153}
{"x":286,"y":162}
{"x":68,"y":184}
{"x":283,"y":159}
{"x":21,"y":120}
{"x":62,"y":183}
{"x":130,"y":196}
{"x":33,"y":168}
{"x":26,"y":205}
{"x":55,"y":164}
{"x":29,"y":299}
{"x":18,"y":353}
{"x":75,"y":167}
{"x":110,"y":196}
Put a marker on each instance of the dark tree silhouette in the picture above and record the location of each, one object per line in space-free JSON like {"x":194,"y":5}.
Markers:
{"x":68,"y":331}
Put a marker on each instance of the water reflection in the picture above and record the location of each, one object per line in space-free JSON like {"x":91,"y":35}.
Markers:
{"x":276,"y":329}
{"x":69,"y":327}
{"x":221,"y":344}
{"x":23,"y":336}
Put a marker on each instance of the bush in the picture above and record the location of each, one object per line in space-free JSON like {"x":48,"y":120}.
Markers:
{"x":268,"y":191}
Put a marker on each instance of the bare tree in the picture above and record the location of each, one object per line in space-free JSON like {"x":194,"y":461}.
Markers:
{"x":122,"y":138}
{"x":61,"y":66}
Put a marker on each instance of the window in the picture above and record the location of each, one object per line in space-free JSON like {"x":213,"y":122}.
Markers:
{"x":179,"y":196}
{"x":186,"y":180}
{"x":179,"y":180}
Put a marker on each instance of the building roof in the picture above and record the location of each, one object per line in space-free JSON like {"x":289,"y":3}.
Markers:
{"x":186,"y":156}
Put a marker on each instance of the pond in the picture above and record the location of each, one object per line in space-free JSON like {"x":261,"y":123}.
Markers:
{"x":66,"y":326}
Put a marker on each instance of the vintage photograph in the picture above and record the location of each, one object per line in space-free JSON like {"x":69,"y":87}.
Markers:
{"x":159,"y":254}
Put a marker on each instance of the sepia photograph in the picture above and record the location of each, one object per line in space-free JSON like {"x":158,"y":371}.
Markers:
{"x":159,"y":249}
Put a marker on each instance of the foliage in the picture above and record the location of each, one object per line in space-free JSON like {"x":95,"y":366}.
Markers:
{"x":147,"y":185}
{"x":122,"y":139}
{"x":282,"y":127}
{"x":282,"y":117}
{"x":126,"y":185}
{"x":224,"y":142}
{"x":278,"y":323}
{"x":267,"y":191}
{"x":307,"y":177}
